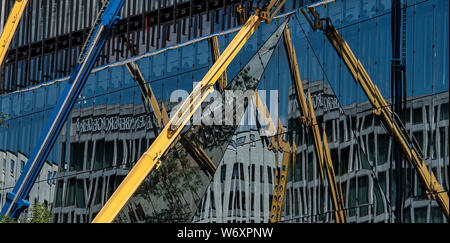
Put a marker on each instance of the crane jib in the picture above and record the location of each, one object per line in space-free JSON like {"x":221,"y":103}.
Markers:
{"x":15,"y":202}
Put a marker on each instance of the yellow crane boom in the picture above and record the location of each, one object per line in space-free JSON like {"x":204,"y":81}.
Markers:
{"x":10,"y":27}
{"x":308,"y":118}
{"x":152,"y":157}
{"x":395,"y":127}
{"x":276,"y":145}
{"x":149,"y":100}
{"x":281,"y":173}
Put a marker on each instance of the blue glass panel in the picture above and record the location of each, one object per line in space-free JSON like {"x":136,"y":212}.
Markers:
{"x":114,"y":97}
{"x":333,"y":66}
{"x":187,"y":58}
{"x":410,"y":20}
{"x":441,"y":41}
{"x":173,"y":61}
{"x":423,"y":44}
{"x":25,"y":145}
{"x":46,"y":115}
{"x":126,"y":96}
{"x":315,"y":56}
{"x":52,"y":95}
{"x":27,"y":101}
{"x":36,"y":128}
{"x":350,"y":12}
{"x":20,"y":146}
{"x":100,"y":100}
{"x":87,"y":102}
{"x":284,"y":83}
{"x":16,"y":104}
{"x":383,"y":56}
{"x":117,"y":76}
{"x":202,"y":54}
{"x":102,"y":80}
{"x":368,"y":9}
{"x":128,"y":81}
{"x":347,"y":82}
{"x":6,"y":104}
{"x":368,"y":47}
{"x":13,"y":128}
{"x":185,"y":82}
{"x":2,"y":138}
{"x":270,"y":82}
{"x":88,"y":90}
{"x":169,"y":85}
{"x":158,"y":65}
{"x":54,"y":153}
{"x":384,"y":6}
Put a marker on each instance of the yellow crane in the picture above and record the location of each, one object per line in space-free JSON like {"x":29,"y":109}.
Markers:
{"x":281,"y":173}
{"x":393,"y":124}
{"x":10,"y":27}
{"x":151,"y":159}
{"x":308,"y":119}
{"x":280,"y":145}
{"x":149,"y":99}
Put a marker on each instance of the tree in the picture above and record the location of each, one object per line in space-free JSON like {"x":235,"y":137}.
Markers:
{"x":40,"y":214}
{"x":4,"y":220}
{"x":172,"y":182}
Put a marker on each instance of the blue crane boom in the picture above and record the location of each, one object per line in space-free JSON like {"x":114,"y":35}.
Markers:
{"x":107,"y":18}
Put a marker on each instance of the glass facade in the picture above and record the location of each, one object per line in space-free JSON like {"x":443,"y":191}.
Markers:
{"x":51,"y":33}
{"x":109,"y":129}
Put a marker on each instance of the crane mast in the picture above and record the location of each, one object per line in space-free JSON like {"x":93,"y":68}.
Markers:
{"x":10,"y":27}
{"x":308,"y":119}
{"x":151,"y":159}
{"x":107,"y":17}
{"x":393,"y":124}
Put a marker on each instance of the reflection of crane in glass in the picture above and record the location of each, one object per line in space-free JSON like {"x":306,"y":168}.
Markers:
{"x":151,"y":159}
{"x":308,"y":118}
{"x":392,"y":123}
{"x":151,"y":104}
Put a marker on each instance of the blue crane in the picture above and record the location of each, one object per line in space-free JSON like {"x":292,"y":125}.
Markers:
{"x":106,"y":20}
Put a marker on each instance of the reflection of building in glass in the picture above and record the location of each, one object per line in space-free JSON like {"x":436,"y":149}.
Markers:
{"x":103,"y":144}
{"x":242,"y":188}
{"x":307,"y":199}
{"x":11,"y":165}
{"x":51,"y":33}
{"x":369,"y":193}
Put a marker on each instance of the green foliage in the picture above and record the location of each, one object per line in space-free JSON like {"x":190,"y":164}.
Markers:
{"x":2,"y":120}
{"x":40,"y":214}
{"x":6,"y":220}
{"x":172,"y":182}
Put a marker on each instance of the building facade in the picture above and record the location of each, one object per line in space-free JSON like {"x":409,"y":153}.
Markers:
{"x":109,"y":128}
